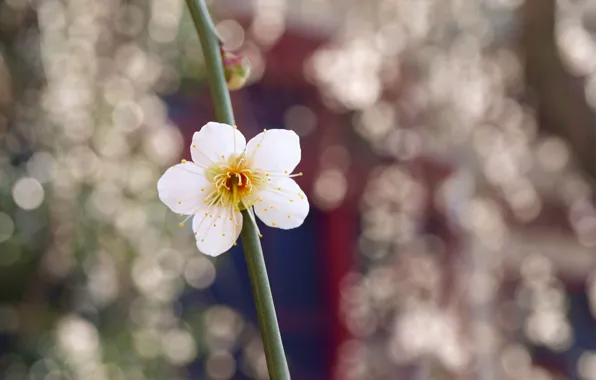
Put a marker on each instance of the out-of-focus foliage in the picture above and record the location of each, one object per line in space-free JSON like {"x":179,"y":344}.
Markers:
{"x":92,"y":265}
{"x":462,"y":270}
{"x":444,"y":81}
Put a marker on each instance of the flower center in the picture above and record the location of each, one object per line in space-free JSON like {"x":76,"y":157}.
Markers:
{"x":234,"y":183}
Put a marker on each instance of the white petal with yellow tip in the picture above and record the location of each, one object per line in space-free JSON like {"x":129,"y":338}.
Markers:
{"x":282,"y":205}
{"x":276,"y":151}
{"x":216,"y":142}
{"x":217,"y":231}
{"x":183,"y":188}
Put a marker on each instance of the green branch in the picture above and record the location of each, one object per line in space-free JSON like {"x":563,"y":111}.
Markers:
{"x":213,"y":62}
{"x":261,"y":290}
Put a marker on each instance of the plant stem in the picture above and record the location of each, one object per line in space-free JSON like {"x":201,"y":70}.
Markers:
{"x":261,"y":290}
{"x":213,"y":61}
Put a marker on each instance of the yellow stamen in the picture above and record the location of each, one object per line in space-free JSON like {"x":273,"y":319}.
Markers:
{"x":234,"y":183}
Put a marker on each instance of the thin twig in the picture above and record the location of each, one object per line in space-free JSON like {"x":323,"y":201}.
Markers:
{"x":261,"y":290}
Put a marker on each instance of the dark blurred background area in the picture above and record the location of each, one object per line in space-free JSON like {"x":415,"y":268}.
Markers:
{"x":449,"y":156}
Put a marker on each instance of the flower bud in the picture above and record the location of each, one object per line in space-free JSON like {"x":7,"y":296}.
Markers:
{"x":236,"y":69}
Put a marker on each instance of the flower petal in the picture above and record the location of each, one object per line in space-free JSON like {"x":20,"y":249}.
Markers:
{"x":217,"y":231}
{"x":275,"y":150}
{"x":215,"y":142}
{"x":282,"y":205}
{"x":183,"y":188}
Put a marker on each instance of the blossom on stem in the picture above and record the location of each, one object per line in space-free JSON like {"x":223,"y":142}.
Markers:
{"x":236,"y":69}
{"x":227,"y":175}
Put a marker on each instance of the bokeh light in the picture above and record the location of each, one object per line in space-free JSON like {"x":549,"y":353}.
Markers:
{"x":446,"y":146}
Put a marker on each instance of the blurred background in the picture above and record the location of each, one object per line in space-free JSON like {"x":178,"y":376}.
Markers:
{"x":449,"y":152}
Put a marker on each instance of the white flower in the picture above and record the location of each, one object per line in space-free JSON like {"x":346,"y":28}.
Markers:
{"x":227,"y":175}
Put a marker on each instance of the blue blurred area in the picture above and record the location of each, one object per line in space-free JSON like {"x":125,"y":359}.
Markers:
{"x":584,"y":337}
{"x":293,"y":259}
{"x":296,"y":281}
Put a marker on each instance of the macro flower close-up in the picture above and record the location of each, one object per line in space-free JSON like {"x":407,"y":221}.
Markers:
{"x":226,"y":175}
{"x":444,"y":227}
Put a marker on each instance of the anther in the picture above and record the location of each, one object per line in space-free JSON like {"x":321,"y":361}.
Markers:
{"x":183,"y":161}
{"x":179,"y":202}
{"x":180,"y":224}
{"x":274,"y":224}
{"x":260,"y":235}
{"x":235,"y":244}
